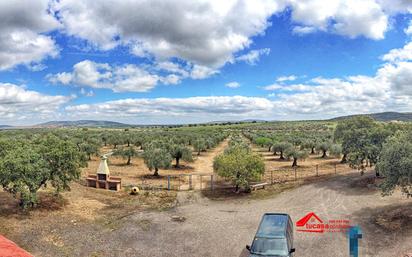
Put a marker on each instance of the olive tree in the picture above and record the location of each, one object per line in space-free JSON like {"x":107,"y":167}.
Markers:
{"x":240,"y":165}
{"x":324,"y":147}
{"x":199,"y":145}
{"x":115,"y":140}
{"x":296,"y":155}
{"x":157,"y":158}
{"x":126,"y":153}
{"x":395,"y":164}
{"x":281,"y":147}
{"x":335,"y":150}
{"x":178,"y":152}
{"x":264,"y":142}
{"x":90,"y":147}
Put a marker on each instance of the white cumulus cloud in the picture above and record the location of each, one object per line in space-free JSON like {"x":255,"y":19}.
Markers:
{"x":125,"y":78}
{"x":22,"y":24}
{"x":253,"y":56}
{"x":232,"y":84}
{"x":389,"y":89}
{"x":205,"y":33}
{"x":18,"y":103}
{"x":286,"y":78}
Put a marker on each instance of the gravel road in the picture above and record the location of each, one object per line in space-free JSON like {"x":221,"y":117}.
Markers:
{"x":223,"y":228}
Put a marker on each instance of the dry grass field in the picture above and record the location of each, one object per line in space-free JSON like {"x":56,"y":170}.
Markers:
{"x":314,"y":165}
{"x":137,"y":173}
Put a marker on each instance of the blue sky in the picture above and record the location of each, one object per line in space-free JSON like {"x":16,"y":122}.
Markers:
{"x":181,"y":62}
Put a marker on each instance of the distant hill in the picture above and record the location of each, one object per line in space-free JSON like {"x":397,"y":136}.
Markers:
{"x":5,"y":126}
{"x":382,"y":116}
{"x":83,"y":123}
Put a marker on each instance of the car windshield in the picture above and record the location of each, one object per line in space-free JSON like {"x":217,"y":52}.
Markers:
{"x":272,"y":226}
{"x":270,"y":246}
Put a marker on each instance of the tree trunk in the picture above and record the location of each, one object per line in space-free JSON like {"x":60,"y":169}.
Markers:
{"x":129,"y":158}
{"x":274,"y":152}
{"x":295,"y":162}
{"x":90,"y":157}
{"x":237,"y":183}
{"x":324,"y":154}
{"x":281,"y":155}
{"x":128,"y":143}
{"x":198,"y":153}
{"x":269,"y":148}
{"x":156,"y":173}
{"x":344,"y":158}
{"x":177,"y":162}
{"x":313,"y":150}
{"x":105,"y":143}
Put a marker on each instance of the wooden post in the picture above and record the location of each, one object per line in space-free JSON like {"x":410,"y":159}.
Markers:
{"x":296,"y":175}
{"x":317,"y":170}
{"x":271,"y":177}
{"x":168,"y":182}
{"x":190,"y":182}
{"x":211,"y":182}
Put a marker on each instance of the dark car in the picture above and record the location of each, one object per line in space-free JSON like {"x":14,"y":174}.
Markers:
{"x":274,"y":236}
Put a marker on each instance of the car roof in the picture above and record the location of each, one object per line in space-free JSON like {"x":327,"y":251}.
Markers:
{"x":273,"y":225}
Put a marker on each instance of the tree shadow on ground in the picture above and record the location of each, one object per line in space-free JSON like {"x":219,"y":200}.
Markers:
{"x":222,"y":194}
{"x":228,"y":192}
{"x":348,"y":184}
{"x":182,"y":167}
{"x":383,"y":226}
{"x":122,"y":164}
{"x":47,"y":201}
{"x":276,"y":159}
{"x":151,"y":176}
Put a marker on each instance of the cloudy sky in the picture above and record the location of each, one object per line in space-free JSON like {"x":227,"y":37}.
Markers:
{"x":158,"y":61}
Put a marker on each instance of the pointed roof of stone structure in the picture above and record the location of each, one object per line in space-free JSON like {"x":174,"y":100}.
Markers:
{"x":103,"y":167}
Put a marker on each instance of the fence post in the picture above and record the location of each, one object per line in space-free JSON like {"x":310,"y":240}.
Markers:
{"x":190,"y":182}
{"x":317,"y":170}
{"x":271,"y":177}
{"x":211,"y":182}
{"x":296,"y":176}
{"x":168,"y":182}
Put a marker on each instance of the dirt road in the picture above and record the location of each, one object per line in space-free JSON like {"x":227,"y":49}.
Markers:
{"x":204,"y":162}
{"x":203,"y":165}
{"x":223,"y":228}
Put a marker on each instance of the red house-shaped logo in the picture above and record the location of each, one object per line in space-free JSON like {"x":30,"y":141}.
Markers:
{"x":310,"y":223}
